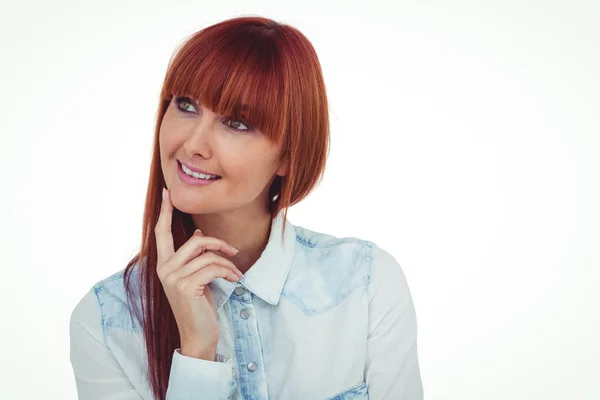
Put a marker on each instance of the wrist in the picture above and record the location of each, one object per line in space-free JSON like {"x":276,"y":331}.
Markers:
{"x":209,"y":354}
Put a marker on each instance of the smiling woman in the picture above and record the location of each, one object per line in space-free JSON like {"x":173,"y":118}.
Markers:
{"x":226,"y":299}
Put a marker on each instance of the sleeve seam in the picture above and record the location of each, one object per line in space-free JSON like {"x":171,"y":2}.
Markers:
{"x":102,"y":321}
{"x":370,"y":270}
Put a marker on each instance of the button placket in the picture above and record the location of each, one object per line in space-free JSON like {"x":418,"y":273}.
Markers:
{"x":243,"y":295}
{"x":247,"y":345}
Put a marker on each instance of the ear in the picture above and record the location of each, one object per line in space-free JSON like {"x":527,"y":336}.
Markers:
{"x":283,"y":168}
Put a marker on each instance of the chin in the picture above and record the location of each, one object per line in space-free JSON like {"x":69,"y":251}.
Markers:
{"x":191,"y":203}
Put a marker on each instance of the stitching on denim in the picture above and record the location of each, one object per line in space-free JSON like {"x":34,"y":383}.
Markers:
{"x":353,"y":390}
{"x":336,"y":242}
{"x":125,"y":328}
{"x":238,"y":356}
{"x":303,"y":241}
{"x":260,"y":342}
{"x":98,"y":289}
{"x":369,"y":258}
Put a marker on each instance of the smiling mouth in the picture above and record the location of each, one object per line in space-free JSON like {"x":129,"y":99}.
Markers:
{"x":197,"y":175}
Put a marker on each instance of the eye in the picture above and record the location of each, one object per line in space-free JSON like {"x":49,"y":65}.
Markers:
{"x":236,"y":125}
{"x":186,"y":101}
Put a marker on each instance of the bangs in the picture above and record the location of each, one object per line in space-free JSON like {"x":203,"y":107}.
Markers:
{"x":235,"y":74}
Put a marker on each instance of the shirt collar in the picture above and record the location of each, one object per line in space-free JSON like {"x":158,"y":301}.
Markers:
{"x":267,"y":276}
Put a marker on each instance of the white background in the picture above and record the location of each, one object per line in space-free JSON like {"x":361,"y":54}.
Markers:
{"x":465,"y":140}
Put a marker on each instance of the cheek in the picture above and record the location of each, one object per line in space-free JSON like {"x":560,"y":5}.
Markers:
{"x":171,"y":135}
{"x":248,"y":168}
{"x":251,"y":163}
{"x":163,"y":138}
{"x":169,"y":140}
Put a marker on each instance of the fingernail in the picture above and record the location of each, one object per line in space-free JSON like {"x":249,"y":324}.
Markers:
{"x":234,"y":249}
{"x":163,"y":193}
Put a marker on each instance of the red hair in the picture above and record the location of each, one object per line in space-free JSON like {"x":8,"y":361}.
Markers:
{"x":269,"y":75}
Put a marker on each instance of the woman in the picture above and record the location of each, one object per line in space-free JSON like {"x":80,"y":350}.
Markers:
{"x":226,"y":298}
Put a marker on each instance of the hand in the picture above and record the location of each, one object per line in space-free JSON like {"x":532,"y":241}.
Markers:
{"x":185,"y":275}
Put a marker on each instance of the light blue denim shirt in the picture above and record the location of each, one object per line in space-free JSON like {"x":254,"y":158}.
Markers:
{"x":317,"y":317}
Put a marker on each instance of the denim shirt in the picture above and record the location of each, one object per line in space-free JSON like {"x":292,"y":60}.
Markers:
{"x":317,"y":317}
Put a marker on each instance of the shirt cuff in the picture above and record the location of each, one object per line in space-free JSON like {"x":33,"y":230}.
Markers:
{"x":193,"y":378}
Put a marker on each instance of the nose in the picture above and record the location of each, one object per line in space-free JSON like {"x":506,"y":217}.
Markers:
{"x":199,"y":140}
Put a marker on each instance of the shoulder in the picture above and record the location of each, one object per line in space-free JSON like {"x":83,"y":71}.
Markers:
{"x":106,"y":304}
{"x":346,"y":258}
{"x":326,"y":269}
{"x":317,"y":249}
{"x":387,"y":274}
{"x":111,"y":289}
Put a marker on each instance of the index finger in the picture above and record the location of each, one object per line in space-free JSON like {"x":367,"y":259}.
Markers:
{"x":164,"y":235}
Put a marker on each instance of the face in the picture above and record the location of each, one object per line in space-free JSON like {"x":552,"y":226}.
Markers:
{"x":244,"y":160}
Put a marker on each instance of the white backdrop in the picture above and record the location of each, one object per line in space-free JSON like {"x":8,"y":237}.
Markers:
{"x":465,"y":140}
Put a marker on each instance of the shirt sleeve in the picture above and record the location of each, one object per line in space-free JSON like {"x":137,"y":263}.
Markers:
{"x":194,"y":379}
{"x":392,"y":370}
{"x":98,"y":375}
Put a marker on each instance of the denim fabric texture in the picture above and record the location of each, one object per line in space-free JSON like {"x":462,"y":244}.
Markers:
{"x":316,"y":317}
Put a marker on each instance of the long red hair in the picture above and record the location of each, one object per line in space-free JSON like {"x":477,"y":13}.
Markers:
{"x":274,"y":70}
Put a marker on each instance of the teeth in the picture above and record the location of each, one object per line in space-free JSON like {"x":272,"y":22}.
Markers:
{"x":197,"y":175}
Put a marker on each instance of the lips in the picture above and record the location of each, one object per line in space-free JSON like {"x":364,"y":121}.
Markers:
{"x":198,"y":170}
{"x":190,"y":180}
{"x":195,"y":169}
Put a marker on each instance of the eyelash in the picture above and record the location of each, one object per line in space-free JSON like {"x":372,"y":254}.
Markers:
{"x":179,"y":100}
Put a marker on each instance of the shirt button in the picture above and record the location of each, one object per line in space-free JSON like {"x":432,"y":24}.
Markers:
{"x":252,"y":366}
{"x":239,"y":290}
{"x":245,"y":313}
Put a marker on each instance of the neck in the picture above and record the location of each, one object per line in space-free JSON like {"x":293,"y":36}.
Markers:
{"x":248,"y":232}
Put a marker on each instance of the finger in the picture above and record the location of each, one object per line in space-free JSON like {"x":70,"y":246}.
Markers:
{"x":198,"y":232}
{"x":210,"y":273}
{"x":216,"y":244}
{"x":197,"y":244}
{"x":206,"y":275}
{"x":163,"y":232}
{"x":202,"y":262}
{"x":190,"y":285}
